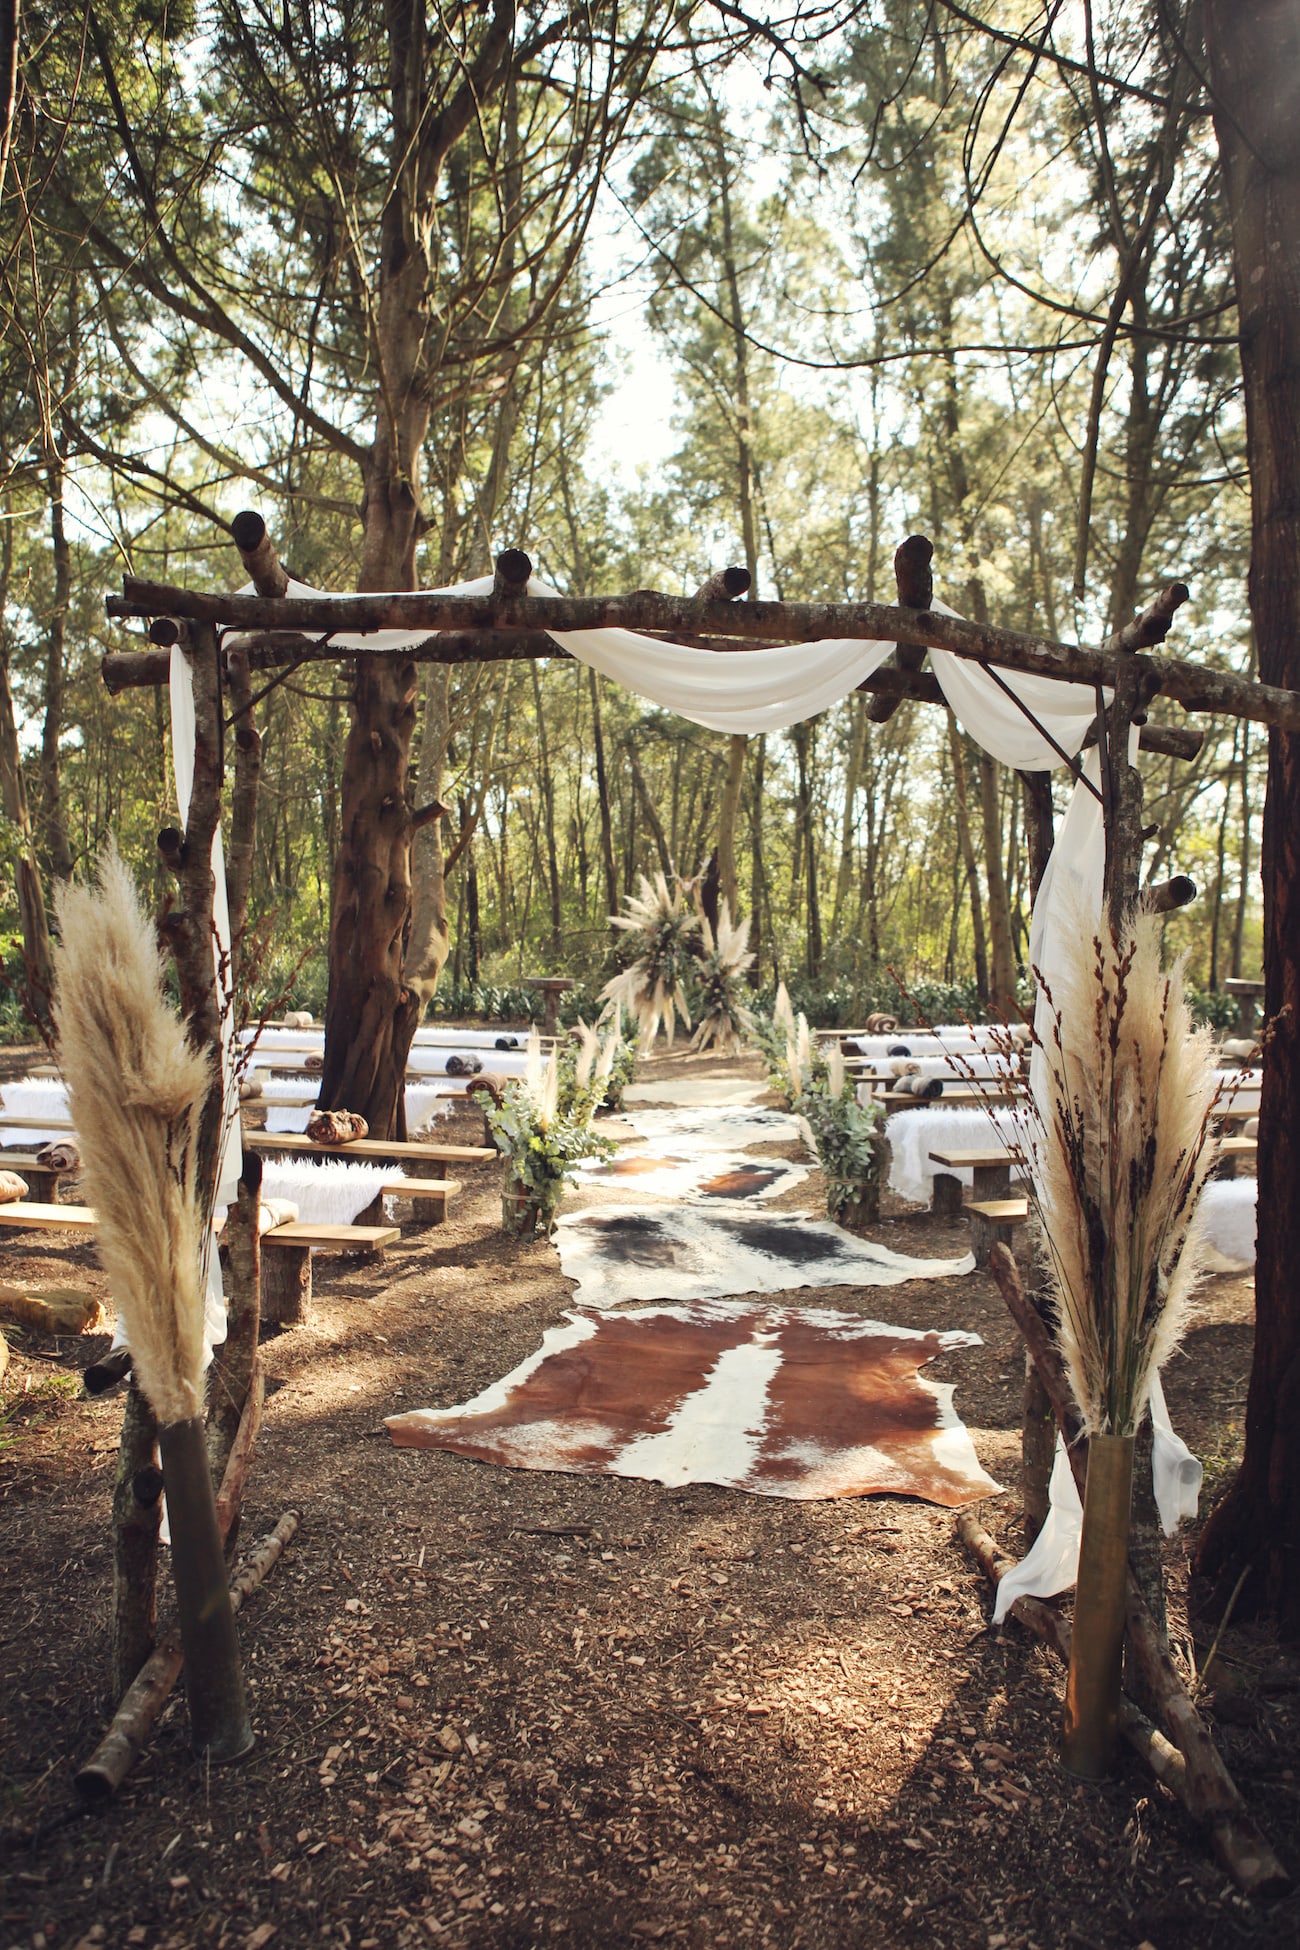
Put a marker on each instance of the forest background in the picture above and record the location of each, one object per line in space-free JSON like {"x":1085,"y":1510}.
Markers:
{"x":961,"y":270}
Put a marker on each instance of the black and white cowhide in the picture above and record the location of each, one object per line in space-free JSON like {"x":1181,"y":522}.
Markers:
{"x":698,"y":1252}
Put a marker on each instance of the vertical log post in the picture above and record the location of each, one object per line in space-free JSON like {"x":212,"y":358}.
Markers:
{"x":914,"y":575}
{"x":234,"y":1364}
{"x":219,"y":1723}
{"x":137,"y":1514}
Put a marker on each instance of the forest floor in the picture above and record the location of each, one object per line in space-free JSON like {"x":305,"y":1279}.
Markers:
{"x":513,"y":1709}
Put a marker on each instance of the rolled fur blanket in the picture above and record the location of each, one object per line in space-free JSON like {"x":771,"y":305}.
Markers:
{"x":12,"y":1188}
{"x":328,"y":1127}
{"x":489,"y":1084}
{"x":898,"y":1049}
{"x":59,"y":1157}
{"x":250,"y":1090}
{"x":506,"y":1042}
{"x":902,"y":1067}
{"x":919,"y":1086}
{"x":880,"y":1024}
{"x":313,"y":1062}
{"x":273,"y":1212}
{"x":464,"y":1066}
{"x":1241,"y":1049}
{"x":299,"y":1019}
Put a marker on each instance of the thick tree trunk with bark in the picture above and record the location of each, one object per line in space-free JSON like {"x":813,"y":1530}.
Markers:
{"x":1254,"y":57}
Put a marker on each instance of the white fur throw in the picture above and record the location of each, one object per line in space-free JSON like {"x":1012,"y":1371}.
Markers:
{"x":331,"y":1193}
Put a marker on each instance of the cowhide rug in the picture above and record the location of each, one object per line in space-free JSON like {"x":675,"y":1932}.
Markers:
{"x":713,"y":1127}
{"x":714,"y":1175}
{"x":695,"y":1090}
{"x":779,"y":1401}
{"x":620,"y":1253}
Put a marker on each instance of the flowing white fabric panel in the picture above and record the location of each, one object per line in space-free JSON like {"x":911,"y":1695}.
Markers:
{"x":997,"y":723}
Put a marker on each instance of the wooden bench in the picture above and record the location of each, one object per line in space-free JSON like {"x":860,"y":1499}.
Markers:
{"x":42,"y":1180}
{"x":963,"y":1095}
{"x":990,"y":1167}
{"x":40,"y":1217}
{"x":429,"y":1197}
{"x":286,"y":1263}
{"x":1234,"y":1151}
{"x":991,"y":1220}
{"x":8,"y":1123}
{"x":393,"y":1151}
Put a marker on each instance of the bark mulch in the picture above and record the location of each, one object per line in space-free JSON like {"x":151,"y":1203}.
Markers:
{"x":508,"y":1709}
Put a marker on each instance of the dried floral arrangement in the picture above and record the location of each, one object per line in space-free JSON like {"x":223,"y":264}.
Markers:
{"x":849,"y":1138}
{"x":543,"y":1125}
{"x":654,"y":987}
{"x":724,"y":958}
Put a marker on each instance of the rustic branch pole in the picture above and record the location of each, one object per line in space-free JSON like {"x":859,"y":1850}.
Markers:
{"x":1195,"y":687}
{"x":234,"y":1378}
{"x":914,"y":575}
{"x":268,"y":575}
{"x":137,"y":1513}
{"x":1211,"y":1794}
{"x":103,"y":1774}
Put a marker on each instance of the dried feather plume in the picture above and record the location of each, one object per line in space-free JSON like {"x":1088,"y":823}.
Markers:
{"x":724,"y":959}
{"x":136,"y":1091}
{"x":653,"y":987}
{"x":1124,"y":1147}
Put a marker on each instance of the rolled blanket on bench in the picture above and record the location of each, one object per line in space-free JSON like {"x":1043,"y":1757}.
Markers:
{"x":12,"y":1188}
{"x":919,"y":1086}
{"x":328,"y":1127}
{"x":881,"y":1024}
{"x":59,"y":1157}
{"x":467,"y":1065}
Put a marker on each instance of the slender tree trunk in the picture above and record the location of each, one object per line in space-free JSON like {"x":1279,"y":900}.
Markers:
{"x":1243,"y":887}
{"x":548,"y":813}
{"x":57,"y":849}
{"x":38,"y":965}
{"x":961,"y":808}
{"x":852,"y":781}
{"x":604,"y":807}
{"x":1253,"y":53}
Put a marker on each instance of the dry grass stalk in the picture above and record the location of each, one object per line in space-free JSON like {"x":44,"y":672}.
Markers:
{"x":136,"y":1090}
{"x":653,"y":988}
{"x":1124,"y":1147}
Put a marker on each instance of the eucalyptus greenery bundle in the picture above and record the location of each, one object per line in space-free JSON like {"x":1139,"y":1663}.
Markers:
{"x":848,"y":1137}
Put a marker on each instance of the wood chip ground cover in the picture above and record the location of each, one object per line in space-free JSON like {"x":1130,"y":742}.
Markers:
{"x":513,"y":1709}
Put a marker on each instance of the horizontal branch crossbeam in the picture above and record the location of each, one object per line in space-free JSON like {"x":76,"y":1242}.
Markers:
{"x":1194,"y":686}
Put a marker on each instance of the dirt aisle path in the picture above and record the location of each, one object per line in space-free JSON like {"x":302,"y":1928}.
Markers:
{"x":510,"y":1709}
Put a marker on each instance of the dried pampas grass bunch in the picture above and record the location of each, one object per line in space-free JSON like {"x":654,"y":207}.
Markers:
{"x":136,"y":1091}
{"x":724,"y":959}
{"x":654,"y":987}
{"x":1124,"y":1147}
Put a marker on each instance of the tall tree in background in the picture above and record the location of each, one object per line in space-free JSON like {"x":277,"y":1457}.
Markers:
{"x":1254,"y":65}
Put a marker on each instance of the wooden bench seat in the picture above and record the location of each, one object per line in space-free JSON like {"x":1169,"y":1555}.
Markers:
{"x":286,"y":1262}
{"x":994,"y":1219}
{"x":37,"y":1216}
{"x":390,"y":1150}
{"x":990,"y":1167}
{"x":1235,"y":1151}
{"x":429,"y":1196}
{"x":33,"y":1123}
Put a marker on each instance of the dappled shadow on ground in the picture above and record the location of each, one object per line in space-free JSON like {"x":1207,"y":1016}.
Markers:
{"x":508,"y":1709}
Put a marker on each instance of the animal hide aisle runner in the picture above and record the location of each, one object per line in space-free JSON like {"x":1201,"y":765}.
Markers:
{"x":794,"y":1402}
{"x":622,"y":1253}
{"x":660,"y":1173}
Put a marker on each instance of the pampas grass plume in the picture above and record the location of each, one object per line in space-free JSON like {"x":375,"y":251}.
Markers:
{"x":135,"y":1091}
{"x":1125,"y":1145}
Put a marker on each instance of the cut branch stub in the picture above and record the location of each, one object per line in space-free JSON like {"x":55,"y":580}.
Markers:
{"x":257,"y":550}
{"x":1153,"y":625}
{"x":513,"y":568}
{"x":171,"y":846}
{"x":164,"y":631}
{"x":914,"y":574}
{"x":1163,"y":896}
{"x":724,"y":586}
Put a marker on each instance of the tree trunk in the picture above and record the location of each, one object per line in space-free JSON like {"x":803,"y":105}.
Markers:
{"x":962,"y":809}
{"x":728,"y":878}
{"x":57,"y":849}
{"x":1002,"y":988}
{"x":602,"y":794}
{"x":38,"y":965}
{"x":1253,"y":52}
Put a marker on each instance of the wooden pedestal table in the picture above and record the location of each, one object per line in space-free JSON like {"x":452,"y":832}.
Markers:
{"x":286,"y":1263}
{"x":552,"y":988}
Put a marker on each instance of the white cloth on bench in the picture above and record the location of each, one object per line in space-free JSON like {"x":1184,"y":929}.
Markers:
{"x":1228,"y":1218}
{"x":329,"y":1193}
{"x":914,"y":1134}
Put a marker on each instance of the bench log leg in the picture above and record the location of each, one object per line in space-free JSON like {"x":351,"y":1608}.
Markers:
{"x":945,"y":1195}
{"x":985,"y":1234}
{"x":286,"y":1285}
{"x":991,"y":1181}
{"x":42,"y":1185}
{"x":1226,"y":1168}
{"x":373,"y":1215}
{"x":429,"y":1211}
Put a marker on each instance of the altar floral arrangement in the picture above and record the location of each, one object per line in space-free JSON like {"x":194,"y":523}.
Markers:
{"x":655,"y":986}
{"x":724,"y":958}
{"x":849,"y":1139}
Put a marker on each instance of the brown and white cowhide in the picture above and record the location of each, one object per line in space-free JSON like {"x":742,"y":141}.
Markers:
{"x":685,"y":1131}
{"x":618,"y":1253}
{"x":780,"y":1401}
{"x":711,"y":1175}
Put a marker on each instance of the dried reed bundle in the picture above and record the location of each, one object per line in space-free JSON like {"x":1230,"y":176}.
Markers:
{"x":1124,"y":1146}
{"x":136,"y":1090}
{"x":724,"y":958}
{"x":654,"y":986}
